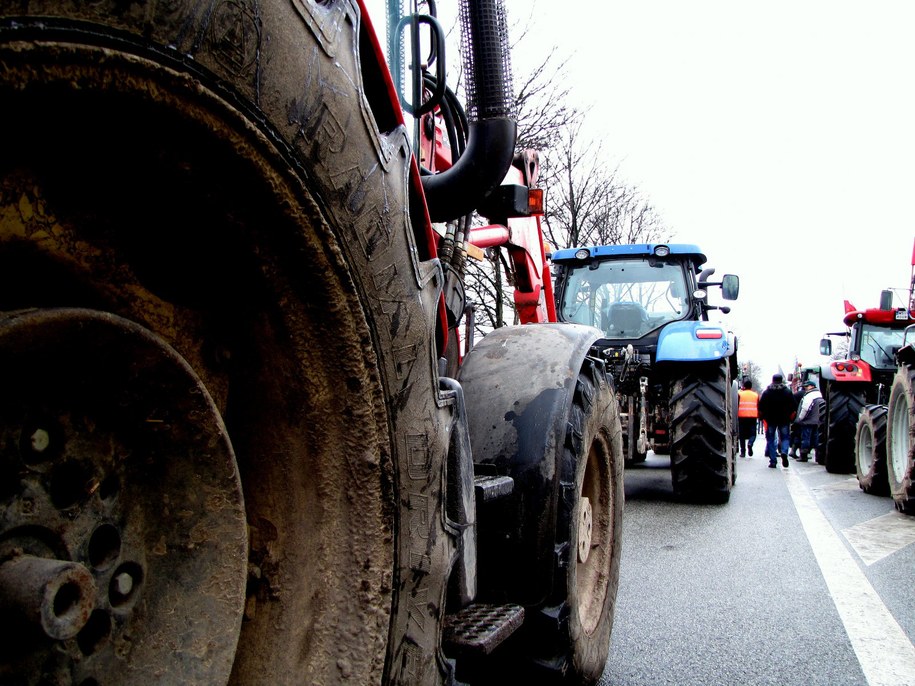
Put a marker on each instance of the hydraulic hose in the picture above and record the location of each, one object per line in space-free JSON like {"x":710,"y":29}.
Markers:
{"x":492,"y":128}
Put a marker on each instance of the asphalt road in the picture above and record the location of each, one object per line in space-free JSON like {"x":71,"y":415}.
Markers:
{"x":800,"y":579}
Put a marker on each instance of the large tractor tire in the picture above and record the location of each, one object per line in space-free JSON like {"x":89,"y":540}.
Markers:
{"x":900,"y":441}
{"x":702,"y":438}
{"x":222,"y":435}
{"x":844,"y":406}
{"x":546,"y":415}
{"x":870,"y":450}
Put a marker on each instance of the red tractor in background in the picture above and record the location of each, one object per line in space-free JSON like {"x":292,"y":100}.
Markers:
{"x":860,"y":382}
{"x":884,"y":459}
{"x":240,"y":439}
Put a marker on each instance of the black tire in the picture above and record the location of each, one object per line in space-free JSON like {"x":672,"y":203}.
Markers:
{"x":900,"y":441}
{"x":561,"y":441}
{"x":844,"y":406}
{"x":702,"y":450}
{"x":244,"y":203}
{"x":587,"y":571}
{"x":870,"y":450}
{"x":631,"y":434}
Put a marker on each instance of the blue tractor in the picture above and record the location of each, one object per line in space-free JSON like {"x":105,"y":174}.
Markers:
{"x":675,"y":371}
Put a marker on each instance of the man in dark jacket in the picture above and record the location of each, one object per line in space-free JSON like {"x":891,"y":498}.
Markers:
{"x":777,"y":409}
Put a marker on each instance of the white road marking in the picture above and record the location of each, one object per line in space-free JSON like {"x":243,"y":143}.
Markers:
{"x":875,"y":539}
{"x":885,"y":653}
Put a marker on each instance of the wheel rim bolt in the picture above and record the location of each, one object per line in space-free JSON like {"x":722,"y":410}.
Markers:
{"x":40,"y":440}
{"x":123,"y":583}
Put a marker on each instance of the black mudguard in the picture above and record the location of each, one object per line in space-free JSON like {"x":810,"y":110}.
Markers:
{"x":519,"y":383}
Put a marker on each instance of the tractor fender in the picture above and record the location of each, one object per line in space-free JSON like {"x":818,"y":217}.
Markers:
{"x":691,"y":341}
{"x":906,"y":354}
{"x":519,"y":383}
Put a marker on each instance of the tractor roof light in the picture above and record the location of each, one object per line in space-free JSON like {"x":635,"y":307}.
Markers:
{"x":582,"y":254}
{"x":661,"y":251}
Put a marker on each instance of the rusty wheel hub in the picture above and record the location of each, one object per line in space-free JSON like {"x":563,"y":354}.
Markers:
{"x":122,"y":531}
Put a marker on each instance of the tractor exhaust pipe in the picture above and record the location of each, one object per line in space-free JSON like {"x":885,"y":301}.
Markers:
{"x":492,"y":129}
{"x":886,"y":300}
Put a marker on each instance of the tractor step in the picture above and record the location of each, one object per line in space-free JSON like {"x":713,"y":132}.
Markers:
{"x":478,"y":629}
{"x":489,"y":488}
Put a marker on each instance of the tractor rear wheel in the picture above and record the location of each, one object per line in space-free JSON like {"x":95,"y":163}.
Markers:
{"x":217,"y":215}
{"x":900,"y":446}
{"x":844,"y":406}
{"x":702,"y":447}
{"x":870,"y":450}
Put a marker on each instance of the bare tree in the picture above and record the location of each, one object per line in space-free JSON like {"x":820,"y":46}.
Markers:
{"x":588,"y":204}
{"x":587,"y":201}
{"x":542,"y":104}
{"x":752,"y":371}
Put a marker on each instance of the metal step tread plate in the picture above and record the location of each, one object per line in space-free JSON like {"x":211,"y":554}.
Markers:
{"x":479,"y":628}
{"x":489,"y":488}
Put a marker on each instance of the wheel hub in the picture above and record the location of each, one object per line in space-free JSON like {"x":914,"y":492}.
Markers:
{"x":123,"y":542}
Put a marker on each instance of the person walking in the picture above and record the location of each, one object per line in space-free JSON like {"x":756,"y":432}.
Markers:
{"x":808,"y":418}
{"x":747,"y":417}
{"x":777,"y":409}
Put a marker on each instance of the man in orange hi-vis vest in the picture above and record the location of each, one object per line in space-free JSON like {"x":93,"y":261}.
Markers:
{"x":747,"y":417}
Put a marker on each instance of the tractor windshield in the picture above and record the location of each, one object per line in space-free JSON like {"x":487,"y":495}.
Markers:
{"x":625,"y":298}
{"x":879,"y":345}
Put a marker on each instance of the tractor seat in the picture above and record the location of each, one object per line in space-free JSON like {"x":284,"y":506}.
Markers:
{"x":626,"y":320}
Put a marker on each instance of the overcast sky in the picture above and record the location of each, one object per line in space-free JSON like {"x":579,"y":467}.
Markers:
{"x":778,"y":136}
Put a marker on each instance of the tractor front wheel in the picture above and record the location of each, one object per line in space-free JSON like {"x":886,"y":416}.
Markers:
{"x":589,"y":528}
{"x":554,"y":546}
{"x":870,"y":450}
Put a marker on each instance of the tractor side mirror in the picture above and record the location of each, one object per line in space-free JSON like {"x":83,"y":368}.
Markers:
{"x":730,"y":286}
{"x":825,"y":346}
